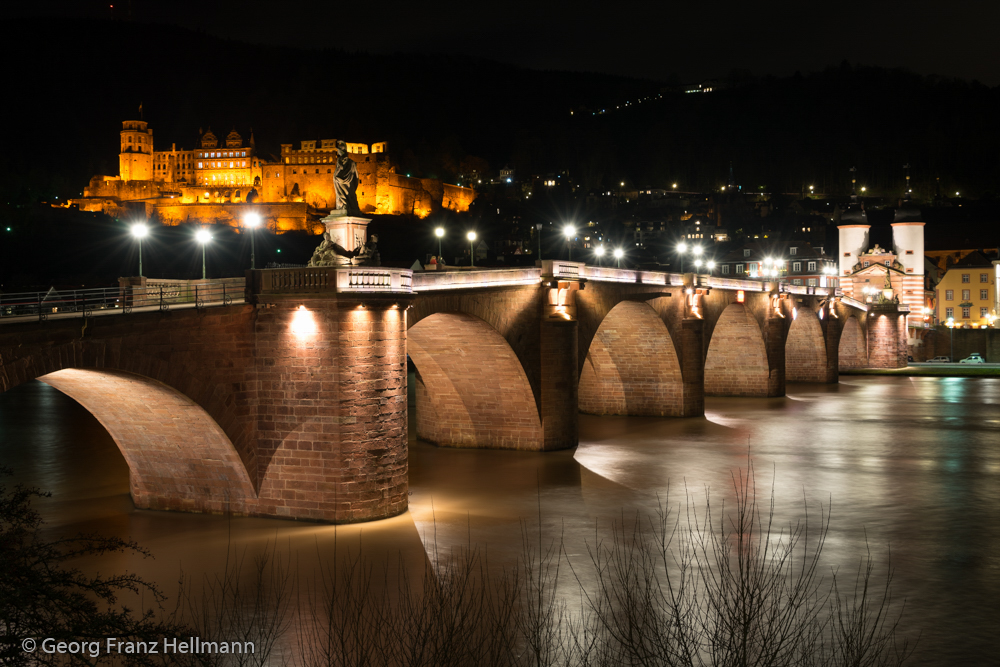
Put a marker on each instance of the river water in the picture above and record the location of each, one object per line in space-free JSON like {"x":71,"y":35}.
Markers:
{"x":908,"y":465}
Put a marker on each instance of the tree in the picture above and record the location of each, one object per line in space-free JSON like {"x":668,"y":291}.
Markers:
{"x":41,"y":597}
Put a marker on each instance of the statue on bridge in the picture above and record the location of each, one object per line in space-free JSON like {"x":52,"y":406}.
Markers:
{"x":345,"y":183}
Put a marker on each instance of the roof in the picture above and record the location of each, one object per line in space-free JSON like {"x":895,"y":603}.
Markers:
{"x":973,"y":259}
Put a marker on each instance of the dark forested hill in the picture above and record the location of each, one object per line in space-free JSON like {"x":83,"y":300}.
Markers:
{"x":69,"y":84}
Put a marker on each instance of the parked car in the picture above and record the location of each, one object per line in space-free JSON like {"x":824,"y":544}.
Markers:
{"x":974,"y":358}
{"x":939,"y":360}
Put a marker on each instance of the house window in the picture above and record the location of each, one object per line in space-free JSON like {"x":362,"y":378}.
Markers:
{"x":983,"y":312}
{"x":812,"y":266}
{"x":199,"y":165}
{"x":909,"y":252}
{"x":949,"y":295}
{"x":965,"y":277}
{"x":966,"y":313}
{"x":796,"y":266}
{"x":949,"y":313}
{"x":847,"y":254}
{"x":793,"y":251}
{"x":965,"y":295}
{"x":984,"y":277}
{"x":725,"y":268}
{"x":866,"y":263}
{"x":984,"y":294}
{"x":746,"y":253}
{"x":812,"y":282}
{"x":739,"y":268}
{"x":888,"y":262}
{"x":796,"y":281}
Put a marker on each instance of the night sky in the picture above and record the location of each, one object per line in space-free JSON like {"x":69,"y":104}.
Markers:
{"x":655,"y":40}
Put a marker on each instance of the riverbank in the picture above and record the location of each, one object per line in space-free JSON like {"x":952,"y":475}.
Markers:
{"x":949,"y":370}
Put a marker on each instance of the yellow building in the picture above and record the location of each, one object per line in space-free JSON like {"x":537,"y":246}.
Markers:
{"x":967,"y":292}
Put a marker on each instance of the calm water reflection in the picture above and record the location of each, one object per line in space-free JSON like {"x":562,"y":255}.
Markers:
{"x":911,"y":463}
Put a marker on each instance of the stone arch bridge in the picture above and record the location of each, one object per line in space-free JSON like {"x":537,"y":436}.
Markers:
{"x":294,"y":403}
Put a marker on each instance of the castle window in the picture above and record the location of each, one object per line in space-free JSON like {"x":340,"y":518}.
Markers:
{"x":295,"y":171}
{"x":329,"y":171}
{"x":317,"y":171}
{"x":199,"y":165}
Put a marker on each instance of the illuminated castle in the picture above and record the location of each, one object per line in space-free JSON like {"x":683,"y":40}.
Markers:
{"x":216,"y":183}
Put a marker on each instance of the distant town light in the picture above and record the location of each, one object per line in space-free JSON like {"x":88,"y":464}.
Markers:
{"x":675,"y":186}
{"x":864,"y":189}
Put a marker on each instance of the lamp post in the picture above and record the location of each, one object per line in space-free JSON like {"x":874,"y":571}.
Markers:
{"x":203,"y":237}
{"x":569,"y":231}
{"x":599,"y":251}
{"x":618,"y":256}
{"x":951,"y":329}
{"x":711,"y":265}
{"x":252,"y":220}
{"x":439,"y":232}
{"x":139,"y":231}
{"x":472,"y":248}
{"x":682,"y":248}
{"x":538,"y":228}
{"x":697,"y":265}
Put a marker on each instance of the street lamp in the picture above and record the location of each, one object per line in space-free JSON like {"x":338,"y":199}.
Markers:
{"x":439,"y":232}
{"x":618,"y":256}
{"x":682,"y":248}
{"x":472,"y":248}
{"x":139,"y":231}
{"x":569,"y":231}
{"x":203,"y":237}
{"x":697,"y":265}
{"x":538,"y":228}
{"x":252,"y":220}
{"x":951,"y":328}
{"x":599,"y":251}
{"x":710,"y":265}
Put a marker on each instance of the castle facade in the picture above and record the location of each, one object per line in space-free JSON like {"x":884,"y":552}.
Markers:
{"x":219,"y":182}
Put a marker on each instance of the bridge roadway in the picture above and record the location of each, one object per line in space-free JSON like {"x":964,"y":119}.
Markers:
{"x":294,"y":403}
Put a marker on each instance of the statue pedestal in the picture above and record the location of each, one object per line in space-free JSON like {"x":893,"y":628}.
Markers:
{"x":347,"y":231}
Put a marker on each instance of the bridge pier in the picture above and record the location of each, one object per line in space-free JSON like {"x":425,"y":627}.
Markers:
{"x":886,"y":336}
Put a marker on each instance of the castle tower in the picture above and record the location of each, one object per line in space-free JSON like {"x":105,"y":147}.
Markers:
{"x":908,"y":244}
{"x":135,"y":162}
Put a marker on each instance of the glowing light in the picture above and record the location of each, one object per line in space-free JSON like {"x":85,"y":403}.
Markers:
{"x":697,"y":263}
{"x":471,"y":236}
{"x":303,"y":324}
{"x":710,"y":265}
{"x":439,"y":232}
{"x":675,"y":186}
{"x":203,"y":236}
{"x":139,"y":230}
{"x":599,"y":251}
{"x":619,"y":253}
{"x":682,"y":247}
{"x":696,"y":250}
{"x":569,"y":231}
{"x":251,"y":220}
{"x":864,"y":189}
{"x":740,"y":296}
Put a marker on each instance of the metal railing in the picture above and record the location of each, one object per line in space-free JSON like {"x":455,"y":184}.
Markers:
{"x":63,"y":304}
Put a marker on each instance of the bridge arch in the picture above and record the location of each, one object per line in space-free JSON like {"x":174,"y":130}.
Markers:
{"x":805,"y":348}
{"x":179,"y":458}
{"x":471,"y":389}
{"x":736,"y":362}
{"x":853,"y":346}
{"x":632,"y":367}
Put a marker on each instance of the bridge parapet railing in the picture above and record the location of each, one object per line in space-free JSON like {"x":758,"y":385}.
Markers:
{"x":433,"y":281}
{"x":318,"y":280}
{"x":129,"y":294}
